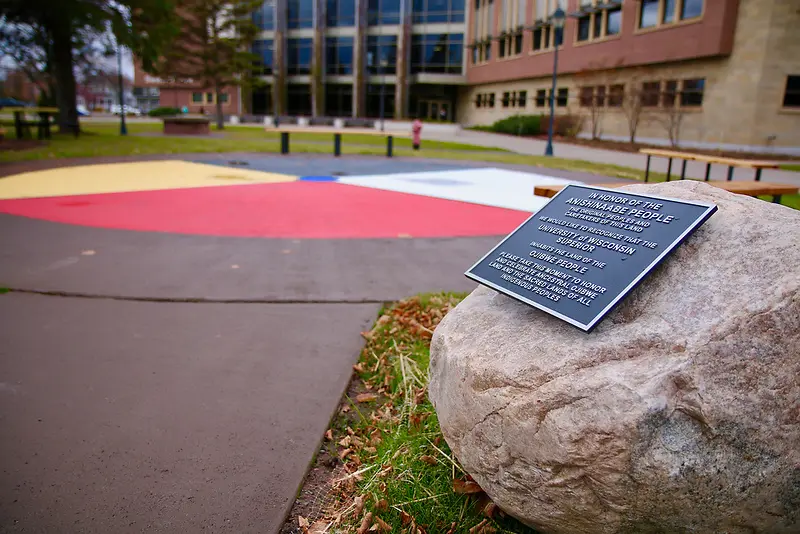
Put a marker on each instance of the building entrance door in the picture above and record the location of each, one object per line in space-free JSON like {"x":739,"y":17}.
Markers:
{"x":434,"y":110}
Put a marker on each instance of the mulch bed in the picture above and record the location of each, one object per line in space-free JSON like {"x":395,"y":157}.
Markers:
{"x":20,"y":144}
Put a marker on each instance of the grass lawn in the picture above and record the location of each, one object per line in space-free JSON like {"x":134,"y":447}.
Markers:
{"x":104,"y":140}
{"x":396,"y":469}
{"x":790,"y":167}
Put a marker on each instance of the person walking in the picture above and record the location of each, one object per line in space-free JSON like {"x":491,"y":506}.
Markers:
{"x":416,"y":133}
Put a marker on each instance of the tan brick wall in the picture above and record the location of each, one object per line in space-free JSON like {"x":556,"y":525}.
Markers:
{"x":743,"y":93}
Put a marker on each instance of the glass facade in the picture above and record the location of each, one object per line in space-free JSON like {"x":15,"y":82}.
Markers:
{"x":299,"y":56}
{"x":340,"y":13}
{"x":301,"y":14}
{"x":339,"y":55}
{"x":433,"y":11}
{"x":437,"y":53}
{"x":374,"y":101}
{"x":339,"y":100}
{"x":264,"y":50}
{"x":383,"y":12}
{"x":264,"y":17}
{"x":299,"y":99}
{"x":382,"y":54}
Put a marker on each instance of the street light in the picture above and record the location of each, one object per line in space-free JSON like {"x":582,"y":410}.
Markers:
{"x":557,"y":18}
{"x":382,"y":64}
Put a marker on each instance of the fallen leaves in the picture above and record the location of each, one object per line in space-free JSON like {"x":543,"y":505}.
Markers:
{"x":430,"y":460}
{"x":365,"y":524}
{"x":466,"y":487}
{"x":366,"y":397}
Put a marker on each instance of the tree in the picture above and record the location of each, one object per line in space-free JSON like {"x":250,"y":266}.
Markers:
{"x":213,"y":46}
{"x":671,"y":118}
{"x":54,"y":34}
{"x":632,"y":107}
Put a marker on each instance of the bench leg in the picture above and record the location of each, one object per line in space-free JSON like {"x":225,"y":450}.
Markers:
{"x":284,"y":142}
{"x":683,"y":170}
{"x":758,"y":175}
{"x":647,"y":169}
{"x":337,"y":145}
{"x":776,"y":199}
{"x":708,"y":171}
{"x":669,"y":168}
{"x":730,"y":173}
{"x":18,"y":124}
{"x":388,"y":146}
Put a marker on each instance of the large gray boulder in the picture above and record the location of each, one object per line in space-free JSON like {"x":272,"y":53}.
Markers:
{"x":680,"y":412}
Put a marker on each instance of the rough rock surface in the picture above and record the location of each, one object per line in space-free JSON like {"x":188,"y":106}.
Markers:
{"x":680,"y":412}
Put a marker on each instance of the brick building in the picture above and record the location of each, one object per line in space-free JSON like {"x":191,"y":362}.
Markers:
{"x":727,"y":70}
{"x":151,"y":92}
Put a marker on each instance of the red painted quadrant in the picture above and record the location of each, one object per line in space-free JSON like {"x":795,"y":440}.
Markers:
{"x":282,"y":210}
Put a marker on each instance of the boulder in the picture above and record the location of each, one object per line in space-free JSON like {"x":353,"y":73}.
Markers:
{"x":680,"y":412}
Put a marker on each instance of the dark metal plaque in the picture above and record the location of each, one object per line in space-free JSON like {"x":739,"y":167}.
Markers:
{"x":586,"y":249}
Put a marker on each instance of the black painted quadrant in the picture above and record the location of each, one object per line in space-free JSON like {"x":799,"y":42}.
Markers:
{"x":579,"y":255}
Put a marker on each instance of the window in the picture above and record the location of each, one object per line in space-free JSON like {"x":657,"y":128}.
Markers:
{"x":791,"y":96}
{"x":301,"y":13}
{"x":491,"y":100}
{"x":654,"y":13}
{"x":298,"y":56}
{"x":501,"y":48}
{"x":586,"y":97}
{"x":478,"y":100}
{"x":381,"y":54}
{"x":598,"y":21}
{"x":518,"y":43}
{"x":615,"y":95}
{"x":383,"y":12}
{"x":670,"y":93}
{"x":299,"y":99}
{"x":209,"y":98}
{"x":522,"y":99}
{"x":223,"y":98}
{"x":506,"y":99}
{"x":338,"y":100}
{"x":541,"y":98}
{"x":562,"y":96}
{"x":264,"y":17}
{"x":340,"y":13}
{"x":437,"y":53}
{"x":541,"y":38}
{"x":437,"y":11}
{"x":650,"y":93}
{"x":692,"y":93}
{"x":264,"y":50}
{"x":339,"y":55}
{"x":691,"y":9}
{"x":197,"y":98}
{"x":648,"y":13}
{"x":600,"y":96}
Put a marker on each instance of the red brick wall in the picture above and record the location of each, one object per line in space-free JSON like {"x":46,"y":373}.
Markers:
{"x":712,"y":35}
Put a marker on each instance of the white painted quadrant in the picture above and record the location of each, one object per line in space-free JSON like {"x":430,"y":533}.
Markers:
{"x":490,"y":187}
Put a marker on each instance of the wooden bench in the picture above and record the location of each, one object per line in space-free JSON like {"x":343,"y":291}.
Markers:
{"x":751,"y":189}
{"x":337,"y":136}
{"x":22,"y":126}
{"x":708,"y":160}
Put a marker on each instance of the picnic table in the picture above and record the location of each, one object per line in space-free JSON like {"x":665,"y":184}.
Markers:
{"x":757,"y":165}
{"x":751,"y":189}
{"x":22,"y":126}
{"x":337,"y":136}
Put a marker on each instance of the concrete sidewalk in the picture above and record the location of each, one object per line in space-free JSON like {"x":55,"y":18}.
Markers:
{"x":535,"y":147}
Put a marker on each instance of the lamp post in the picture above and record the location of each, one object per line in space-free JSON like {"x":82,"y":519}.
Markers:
{"x":557,"y":18}
{"x":382,"y":64}
{"x":123,"y":129}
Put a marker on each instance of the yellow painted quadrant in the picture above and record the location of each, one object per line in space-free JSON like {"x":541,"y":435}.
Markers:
{"x":124,"y":177}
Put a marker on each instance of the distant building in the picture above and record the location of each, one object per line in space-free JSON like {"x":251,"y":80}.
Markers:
{"x":17,"y":85}
{"x":151,"y":92}
{"x":729,"y":70}
{"x":101,"y":91}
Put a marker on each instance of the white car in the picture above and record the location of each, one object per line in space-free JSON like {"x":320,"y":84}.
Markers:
{"x":129,"y":110}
